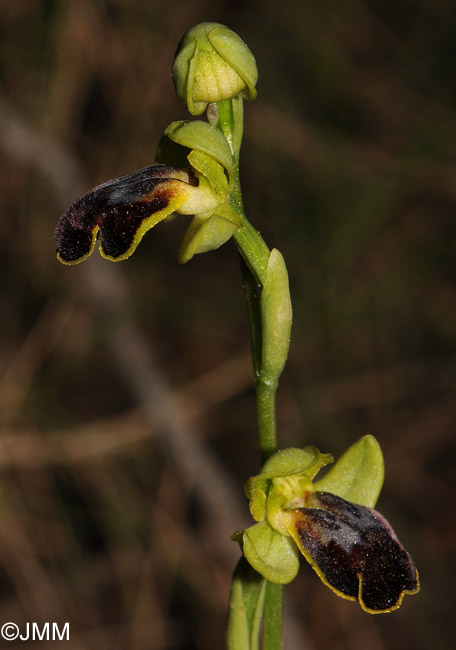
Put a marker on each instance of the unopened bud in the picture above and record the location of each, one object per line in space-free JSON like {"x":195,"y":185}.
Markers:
{"x":213,"y":63}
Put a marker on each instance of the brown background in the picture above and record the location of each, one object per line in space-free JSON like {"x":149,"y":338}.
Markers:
{"x":127,"y":415}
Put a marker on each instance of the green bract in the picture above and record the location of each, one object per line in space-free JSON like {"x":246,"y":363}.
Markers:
{"x":276,"y":314}
{"x":213,"y":63}
{"x":246,"y":608}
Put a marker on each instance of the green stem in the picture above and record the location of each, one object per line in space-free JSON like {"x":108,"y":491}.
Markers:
{"x":255,"y":256}
{"x":265,"y":391}
{"x":249,"y":241}
{"x":251,"y":295}
{"x":273,"y":617}
{"x":265,"y":394}
{"x":253,"y":249}
{"x":231,"y":123}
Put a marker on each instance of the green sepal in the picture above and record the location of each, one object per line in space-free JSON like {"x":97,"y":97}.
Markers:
{"x":246,"y":608}
{"x":233,"y":49}
{"x":293,"y":461}
{"x":273,"y":555}
{"x":184,"y":70}
{"x":200,"y":136}
{"x":208,"y":231}
{"x":276,"y":316}
{"x":358,"y":475}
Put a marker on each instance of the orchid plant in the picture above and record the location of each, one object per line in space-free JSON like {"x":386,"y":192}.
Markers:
{"x":329,"y":520}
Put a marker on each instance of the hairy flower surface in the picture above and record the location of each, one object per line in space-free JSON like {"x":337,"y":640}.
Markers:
{"x":120,"y":211}
{"x":354,"y":551}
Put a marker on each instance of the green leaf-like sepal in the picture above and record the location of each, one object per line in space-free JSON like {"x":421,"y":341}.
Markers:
{"x":273,"y":555}
{"x":358,"y":475}
{"x":234,"y":50}
{"x":292,"y":461}
{"x":208,"y":231}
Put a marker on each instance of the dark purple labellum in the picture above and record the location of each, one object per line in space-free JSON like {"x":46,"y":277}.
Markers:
{"x":355,"y":551}
{"x":119,"y":210}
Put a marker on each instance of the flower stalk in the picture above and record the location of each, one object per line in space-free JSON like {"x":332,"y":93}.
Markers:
{"x":255,"y":263}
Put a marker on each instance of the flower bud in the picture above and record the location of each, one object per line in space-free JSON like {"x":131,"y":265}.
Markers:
{"x":213,"y":63}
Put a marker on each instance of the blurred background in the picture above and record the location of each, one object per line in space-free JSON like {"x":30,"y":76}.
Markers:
{"x":127,"y":410}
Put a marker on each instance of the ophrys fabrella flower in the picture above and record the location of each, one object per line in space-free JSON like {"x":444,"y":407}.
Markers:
{"x":351,"y":546}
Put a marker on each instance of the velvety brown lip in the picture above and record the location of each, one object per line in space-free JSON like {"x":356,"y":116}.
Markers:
{"x":355,"y":551}
{"x":114,"y":211}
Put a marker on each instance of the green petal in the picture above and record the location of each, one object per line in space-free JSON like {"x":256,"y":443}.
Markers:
{"x":256,"y":490}
{"x":212,"y":170}
{"x":201,"y":136}
{"x":274,"y":556}
{"x":358,"y":475}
